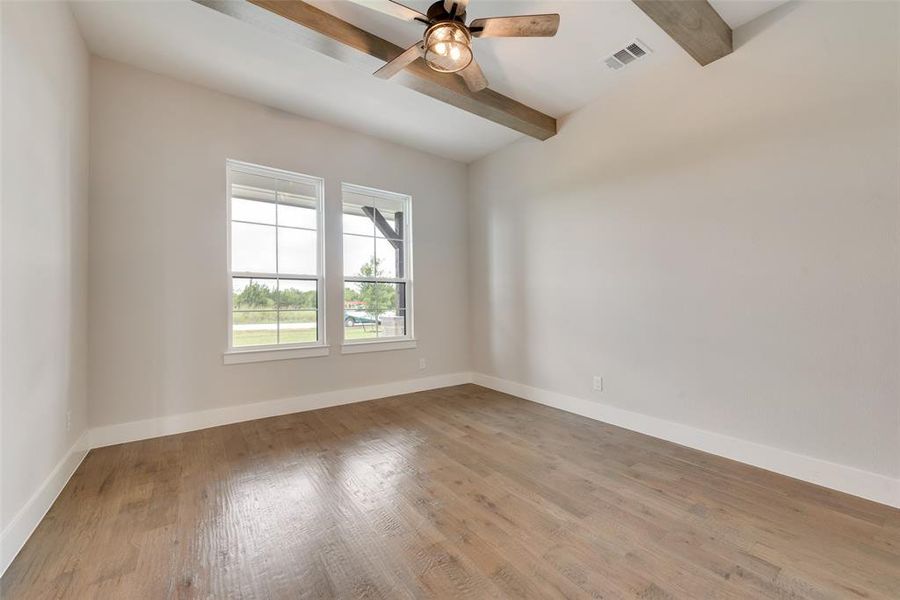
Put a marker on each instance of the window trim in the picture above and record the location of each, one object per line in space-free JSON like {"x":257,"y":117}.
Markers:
{"x":270,"y":354}
{"x":242,"y":354}
{"x":376,"y":345}
{"x":395,"y":342}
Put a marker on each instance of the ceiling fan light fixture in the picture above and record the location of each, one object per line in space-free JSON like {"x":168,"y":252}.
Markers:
{"x":448,"y":47}
{"x":447,"y":44}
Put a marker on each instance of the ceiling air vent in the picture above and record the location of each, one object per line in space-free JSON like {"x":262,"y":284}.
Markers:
{"x":628,"y":54}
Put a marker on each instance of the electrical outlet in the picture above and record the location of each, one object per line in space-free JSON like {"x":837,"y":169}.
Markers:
{"x":421,"y":363}
{"x":598,"y":383}
{"x":68,"y":420}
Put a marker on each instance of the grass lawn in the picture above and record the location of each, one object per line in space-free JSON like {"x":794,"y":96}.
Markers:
{"x":260,"y":337}
{"x":270,"y":316}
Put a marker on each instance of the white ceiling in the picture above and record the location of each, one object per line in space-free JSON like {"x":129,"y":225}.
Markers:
{"x":740,"y":12}
{"x":556,"y":75}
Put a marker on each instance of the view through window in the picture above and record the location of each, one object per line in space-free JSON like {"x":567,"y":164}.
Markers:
{"x":276,"y":263}
{"x":377,"y":265}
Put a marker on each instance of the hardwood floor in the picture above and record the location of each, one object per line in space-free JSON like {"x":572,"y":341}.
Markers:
{"x":459,"y":492}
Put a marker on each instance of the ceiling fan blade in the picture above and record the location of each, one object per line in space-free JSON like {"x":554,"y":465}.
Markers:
{"x":459,"y":4}
{"x":522,"y":26}
{"x":407,"y":57}
{"x":394,"y":9}
{"x":474,"y":77}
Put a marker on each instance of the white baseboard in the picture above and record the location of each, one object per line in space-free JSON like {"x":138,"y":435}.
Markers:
{"x":29,"y":516}
{"x":181,"y":423}
{"x":850,"y":480}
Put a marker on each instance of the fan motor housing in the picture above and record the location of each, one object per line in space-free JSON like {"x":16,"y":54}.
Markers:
{"x":437,"y":12}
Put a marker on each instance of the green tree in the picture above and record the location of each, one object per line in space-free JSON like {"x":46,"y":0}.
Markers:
{"x":378,"y":297}
{"x":255,"y":295}
{"x":350,"y":295}
{"x":296,"y":299}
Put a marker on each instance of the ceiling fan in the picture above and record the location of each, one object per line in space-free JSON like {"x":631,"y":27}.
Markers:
{"x":446,"y":46}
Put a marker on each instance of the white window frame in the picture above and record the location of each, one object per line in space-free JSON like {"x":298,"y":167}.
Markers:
{"x":395,"y":342}
{"x":243,"y":354}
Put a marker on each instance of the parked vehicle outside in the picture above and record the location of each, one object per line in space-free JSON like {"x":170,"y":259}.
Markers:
{"x":358,"y":317}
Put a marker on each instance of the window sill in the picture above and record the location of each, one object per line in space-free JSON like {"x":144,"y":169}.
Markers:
{"x":359,"y":347}
{"x":234,"y":357}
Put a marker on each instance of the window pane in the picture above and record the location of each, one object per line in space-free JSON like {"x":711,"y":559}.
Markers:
{"x":359,"y":252}
{"x":352,"y":298}
{"x":374,"y":310}
{"x":355,"y":330}
{"x":392,"y":213}
{"x":252,"y":248}
{"x":297,"y":193}
{"x":252,"y":210}
{"x":253,"y":198}
{"x":387,"y":258}
{"x":361,"y":320}
{"x":369,"y":324}
{"x":253,"y":187}
{"x":255,"y":328}
{"x":390,"y":205}
{"x":297,"y":216}
{"x":297,"y":204}
{"x":253,"y":294}
{"x":296,"y":294}
{"x":388,"y":227}
{"x":297,"y":327}
{"x":297,"y":251}
{"x":394,"y":324}
{"x":385,"y":225}
{"x":359,"y":295}
{"x":355,"y":219}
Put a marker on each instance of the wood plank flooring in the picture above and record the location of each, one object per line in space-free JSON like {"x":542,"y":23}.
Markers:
{"x":460,"y":492}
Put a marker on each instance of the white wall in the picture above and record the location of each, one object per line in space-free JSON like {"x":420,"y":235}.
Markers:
{"x":44,"y":259}
{"x":158,"y":285}
{"x":719,"y":243}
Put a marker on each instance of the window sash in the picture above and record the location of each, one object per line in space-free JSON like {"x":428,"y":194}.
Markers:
{"x":376,"y":279}
{"x":267,"y":275}
{"x":277,"y":310}
{"x":245,"y":222}
{"x":316,"y":183}
{"x":358,"y":193}
{"x":381,"y":314}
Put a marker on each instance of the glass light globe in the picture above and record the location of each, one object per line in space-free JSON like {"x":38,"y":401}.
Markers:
{"x":448,"y":47}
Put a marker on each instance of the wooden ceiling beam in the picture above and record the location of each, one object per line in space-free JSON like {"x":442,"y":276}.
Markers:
{"x":694,"y":24}
{"x":333,"y":36}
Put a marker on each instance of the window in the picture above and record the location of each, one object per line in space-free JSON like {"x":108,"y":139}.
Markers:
{"x":275,"y":262}
{"x":377,"y":266}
